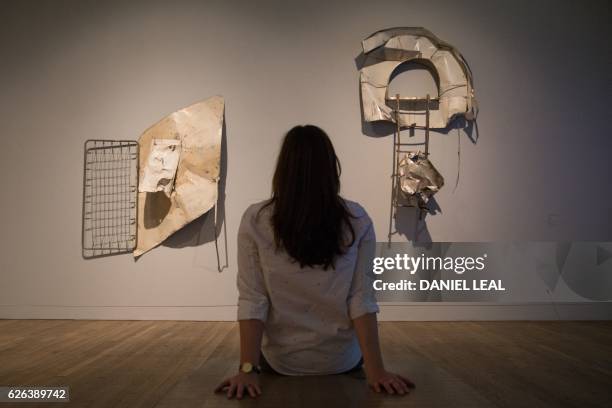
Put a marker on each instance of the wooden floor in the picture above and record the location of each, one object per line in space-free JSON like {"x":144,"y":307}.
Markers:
{"x":177,"y":364}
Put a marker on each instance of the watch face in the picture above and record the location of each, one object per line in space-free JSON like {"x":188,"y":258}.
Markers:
{"x":246,"y":367}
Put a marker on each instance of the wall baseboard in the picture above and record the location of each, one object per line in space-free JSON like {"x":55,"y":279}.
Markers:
{"x":194,"y":313}
{"x":410,"y":311}
{"x":442,"y":311}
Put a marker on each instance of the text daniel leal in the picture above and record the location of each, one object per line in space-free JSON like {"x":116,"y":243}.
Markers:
{"x":448,"y":284}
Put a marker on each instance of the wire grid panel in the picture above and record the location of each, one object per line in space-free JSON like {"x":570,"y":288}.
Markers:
{"x":110,"y":194}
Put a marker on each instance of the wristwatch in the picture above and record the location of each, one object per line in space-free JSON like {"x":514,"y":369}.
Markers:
{"x":247,"y":367}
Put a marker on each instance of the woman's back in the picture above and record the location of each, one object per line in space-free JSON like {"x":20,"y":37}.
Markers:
{"x":308,"y":310}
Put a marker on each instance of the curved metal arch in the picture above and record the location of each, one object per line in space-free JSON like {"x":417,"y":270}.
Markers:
{"x":386,"y":50}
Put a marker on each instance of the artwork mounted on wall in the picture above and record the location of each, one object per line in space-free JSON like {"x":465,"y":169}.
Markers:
{"x":415,"y":178}
{"x":138,"y":193}
{"x":197,"y":129}
{"x":386,"y":50}
{"x":110,"y":193}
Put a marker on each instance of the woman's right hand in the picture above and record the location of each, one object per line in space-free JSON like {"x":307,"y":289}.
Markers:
{"x":240,"y":384}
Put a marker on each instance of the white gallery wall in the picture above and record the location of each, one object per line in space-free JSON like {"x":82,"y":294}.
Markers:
{"x":77,"y":70}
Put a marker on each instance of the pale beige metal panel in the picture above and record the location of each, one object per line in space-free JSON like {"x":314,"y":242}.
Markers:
{"x":386,"y":50}
{"x":199,"y":129}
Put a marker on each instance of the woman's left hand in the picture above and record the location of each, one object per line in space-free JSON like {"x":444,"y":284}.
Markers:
{"x":389,"y":382}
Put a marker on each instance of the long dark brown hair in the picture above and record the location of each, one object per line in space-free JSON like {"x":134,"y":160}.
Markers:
{"x":309,"y":217}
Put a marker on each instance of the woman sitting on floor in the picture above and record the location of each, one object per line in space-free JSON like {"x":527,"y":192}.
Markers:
{"x":306,"y":302}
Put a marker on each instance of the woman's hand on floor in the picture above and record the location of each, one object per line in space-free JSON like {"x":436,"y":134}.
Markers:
{"x":240,"y":384}
{"x":389,"y":382}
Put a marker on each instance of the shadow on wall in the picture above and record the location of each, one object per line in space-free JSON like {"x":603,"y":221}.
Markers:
{"x":410,"y":221}
{"x":157,"y":205}
{"x":202,"y":230}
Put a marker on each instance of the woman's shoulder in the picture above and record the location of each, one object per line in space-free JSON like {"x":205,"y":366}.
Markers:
{"x":255,"y":207}
{"x":358,"y":211}
{"x":355,"y":208}
{"x":253,"y":212}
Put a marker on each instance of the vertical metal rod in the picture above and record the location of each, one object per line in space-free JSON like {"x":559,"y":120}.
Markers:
{"x":84,"y":200}
{"x":137,"y":175}
{"x":427,"y":127}
{"x":219,"y":269}
{"x":396,"y":146}
{"x":421,"y":210}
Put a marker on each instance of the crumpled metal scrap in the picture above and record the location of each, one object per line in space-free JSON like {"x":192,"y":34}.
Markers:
{"x":418,"y":179}
{"x":160,"y":169}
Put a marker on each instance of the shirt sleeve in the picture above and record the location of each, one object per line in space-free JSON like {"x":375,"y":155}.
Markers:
{"x":361,"y":298}
{"x":252,"y":294}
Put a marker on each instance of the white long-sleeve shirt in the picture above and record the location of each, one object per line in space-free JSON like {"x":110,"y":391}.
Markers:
{"x":307,"y":311}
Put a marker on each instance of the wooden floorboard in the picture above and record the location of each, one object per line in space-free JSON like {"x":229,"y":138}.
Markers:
{"x":177,"y":364}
